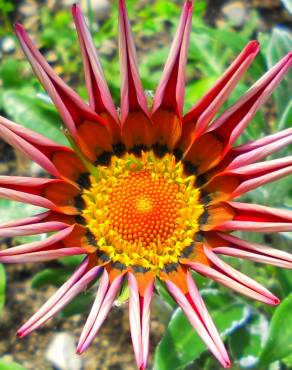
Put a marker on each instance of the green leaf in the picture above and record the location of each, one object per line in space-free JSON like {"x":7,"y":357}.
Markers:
{"x":71,"y":261}
{"x":279,"y":343}
{"x":55,"y":277}
{"x":288,"y":361}
{"x":33,"y":114}
{"x":197,"y":89}
{"x":162,"y":291}
{"x":2,"y":286}
{"x":286,"y":118}
{"x":79,"y":305}
{"x":280,"y":44}
{"x":247,"y":342}
{"x":10,"y":366}
{"x":181,"y":345}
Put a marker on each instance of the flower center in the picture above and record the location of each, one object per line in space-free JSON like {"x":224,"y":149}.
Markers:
{"x":142,"y":211}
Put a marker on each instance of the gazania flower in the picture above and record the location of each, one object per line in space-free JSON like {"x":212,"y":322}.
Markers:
{"x":148,"y":193}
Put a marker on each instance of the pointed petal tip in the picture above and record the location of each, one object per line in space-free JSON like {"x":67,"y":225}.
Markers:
{"x":19,"y":29}
{"x":227,"y":364}
{"x":79,"y":350}
{"x":253,"y":45}
{"x":21,"y":333}
{"x":74,"y":8}
{"x":189,"y":4}
{"x":275,"y":301}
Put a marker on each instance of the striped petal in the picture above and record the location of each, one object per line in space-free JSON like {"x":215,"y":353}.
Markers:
{"x":221,"y":135}
{"x":136,"y":125}
{"x":26,"y":221}
{"x":58,"y":160}
{"x":32,"y":229}
{"x":105,"y":297}
{"x":198,"y":118}
{"x":228,"y":276}
{"x":75,"y":285}
{"x":196,"y":312}
{"x":139,"y":314}
{"x":99,"y":95}
{"x":80,"y":120}
{"x":256,"y":218}
{"x":51,"y":248}
{"x":169,"y":97}
{"x":71,"y":108}
{"x":171,"y":89}
{"x":230,"y":245}
{"x":253,"y":151}
{"x":53,"y":194}
{"x":231,"y":184}
{"x":230,"y":125}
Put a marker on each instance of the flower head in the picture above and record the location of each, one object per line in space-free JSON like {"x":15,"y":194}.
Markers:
{"x":148,"y":193}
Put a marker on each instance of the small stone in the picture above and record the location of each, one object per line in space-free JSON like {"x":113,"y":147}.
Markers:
{"x":61,"y":353}
{"x":100,"y":8}
{"x":8,"y":45}
{"x":108,"y":48}
{"x":235,"y":12}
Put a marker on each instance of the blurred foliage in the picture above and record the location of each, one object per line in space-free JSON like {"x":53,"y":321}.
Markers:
{"x":5,"y":365}
{"x":256,"y":335}
{"x":2,"y":287}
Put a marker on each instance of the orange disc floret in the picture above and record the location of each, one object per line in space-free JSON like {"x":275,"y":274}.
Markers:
{"x":145,"y":208}
{"x":143,"y":211}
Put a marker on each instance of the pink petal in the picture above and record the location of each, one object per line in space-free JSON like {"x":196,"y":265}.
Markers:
{"x":250,"y":177}
{"x":229,"y":126}
{"x":43,"y":256}
{"x":205,"y":109}
{"x":32,"y":229}
{"x":59,"y":161}
{"x":99,"y":312}
{"x":99,"y":94}
{"x":79,"y":272}
{"x":199,"y":318}
{"x":139,"y":315}
{"x":236,"y":247}
{"x":256,"y":218}
{"x":26,"y":221}
{"x":23,"y":197}
{"x":254,"y":175}
{"x":61,"y":299}
{"x":55,"y":194}
{"x":256,"y":150}
{"x":228,"y":276}
{"x":171,"y":89}
{"x":46,"y":244}
{"x":132,"y":93}
{"x":70,"y":106}
{"x":26,"y":190}
{"x":101,"y":293}
{"x":29,"y":143}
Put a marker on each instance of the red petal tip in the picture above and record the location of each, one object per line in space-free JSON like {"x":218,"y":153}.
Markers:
{"x":276,"y":301}
{"x":189,"y":4}
{"x":20,"y":335}
{"x":19,"y":28}
{"x":227,"y":364}
{"x":254,"y":45}
{"x":74,"y":7}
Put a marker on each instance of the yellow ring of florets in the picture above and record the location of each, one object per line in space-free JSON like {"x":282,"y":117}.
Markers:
{"x":142,"y":211}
